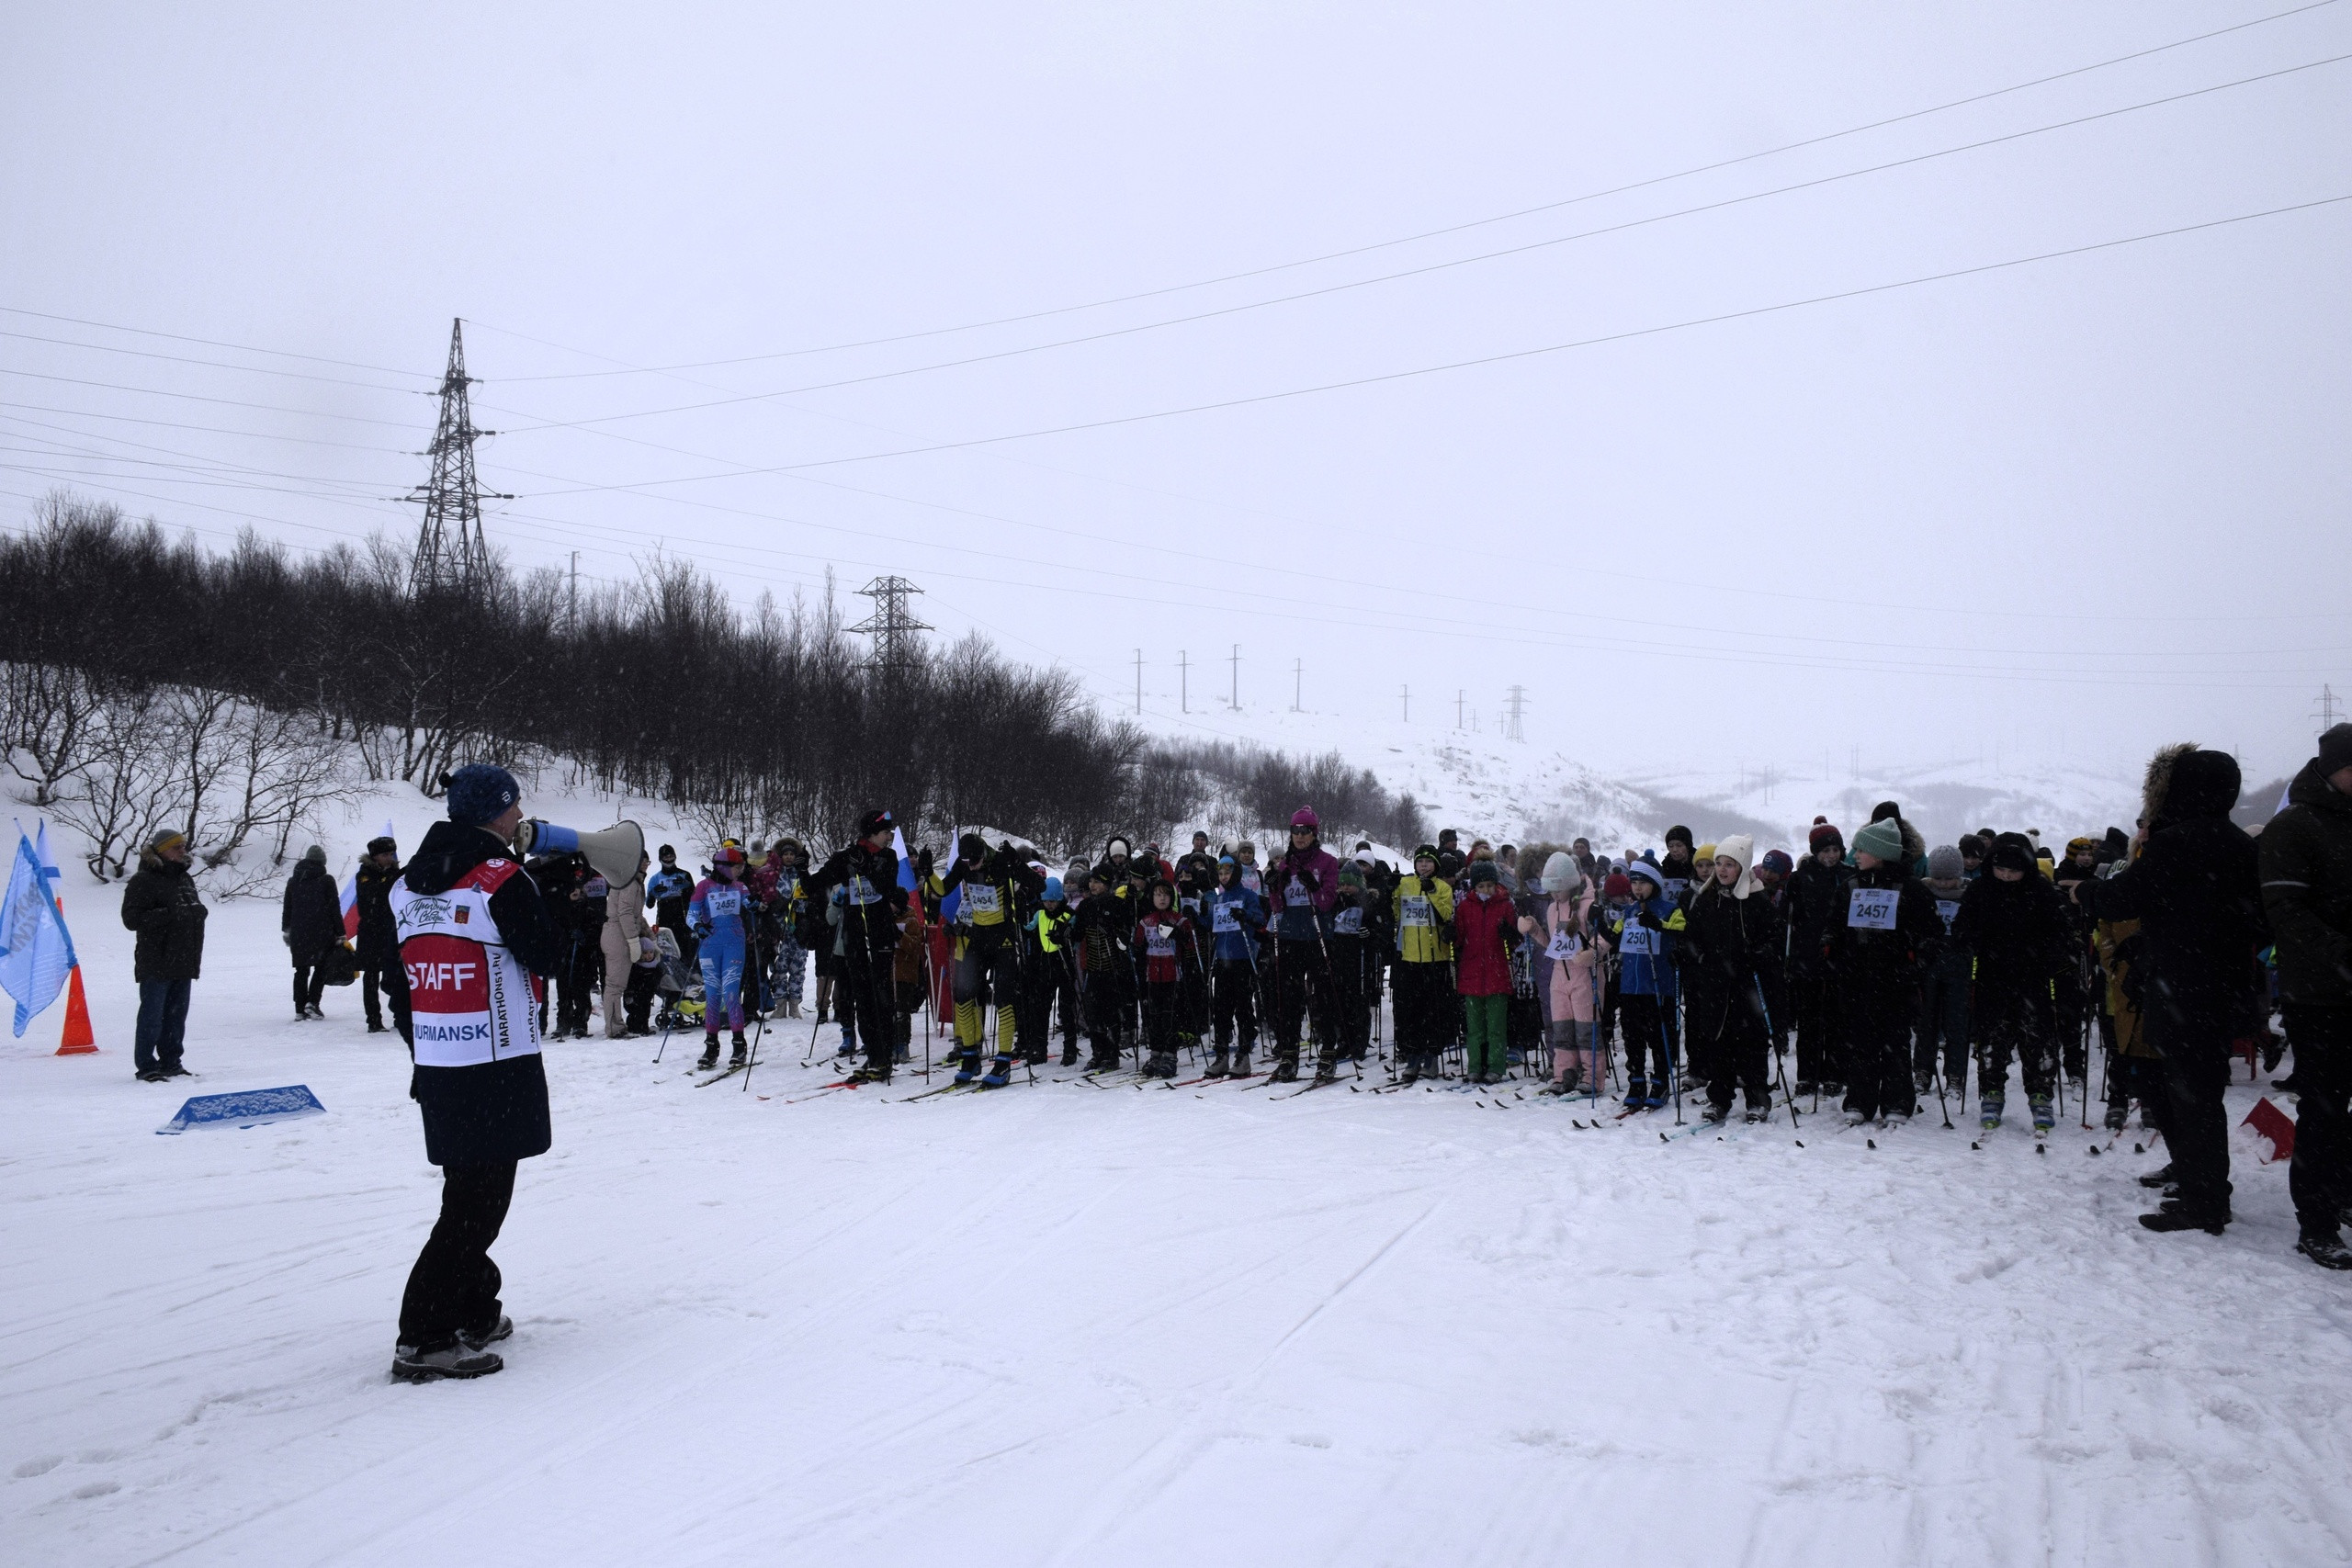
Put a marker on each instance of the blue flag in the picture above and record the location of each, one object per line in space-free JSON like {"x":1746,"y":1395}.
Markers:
{"x":36,"y":949}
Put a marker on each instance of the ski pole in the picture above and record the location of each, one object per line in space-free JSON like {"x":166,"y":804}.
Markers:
{"x":757,"y":1035}
{"x":1780,"y":1065}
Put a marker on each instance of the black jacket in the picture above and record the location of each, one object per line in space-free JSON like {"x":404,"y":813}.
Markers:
{"x":2018,"y":933}
{"x":2197,"y":892}
{"x":1873,"y":965}
{"x":494,"y":1111}
{"x":870,"y":931}
{"x":160,"y":903}
{"x":1815,"y":904}
{"x":2306,"y":860}
{"x":1727,"y":943}
{"x":311,"y":912}
{"x":379,"y":942}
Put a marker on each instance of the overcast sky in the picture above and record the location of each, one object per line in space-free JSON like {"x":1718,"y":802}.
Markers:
{"x":2073,"y":507}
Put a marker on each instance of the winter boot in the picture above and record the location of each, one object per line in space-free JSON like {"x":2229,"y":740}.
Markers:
{"x":967,"y":1065}
{"x":1326,"y":1071}
{"x":2044,"y":1116}
{"x":1220,"y":1064}
{"x":1069,"y":1053}
{"x":741,"y":1052}
{"x":2115,"y":1114}
{"x":1990,"y":1116}
{"x":475,"y":1338}
{"x":1856,"y":1118}
{"x":710,"y":1054}
{"x":1715,"y":1115}
{"x":2173,"y":1215}
{"x":2158,"y":1178}
{"x":2328,"y":1251}
{"x":1804,"y":1087}
{"x":1036,"y":1055}
{"x":1413,"y":1073}
{"x":1161,"y":1066}
{"x":1242,"y":1063}
{"x":411,"y":1365}
{"x":999,"y":1072}
{"x":1755,"y":1113}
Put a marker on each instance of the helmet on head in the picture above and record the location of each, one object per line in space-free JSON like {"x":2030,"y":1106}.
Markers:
{"x":728,"y":854}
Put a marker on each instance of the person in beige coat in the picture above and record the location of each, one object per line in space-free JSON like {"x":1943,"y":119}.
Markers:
{"x":625,"y":938}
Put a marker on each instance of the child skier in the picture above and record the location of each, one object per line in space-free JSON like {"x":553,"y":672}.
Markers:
{"x":1642,"y":934}
{"x":1104,"y":930}
{"x":719,"y":915}
{"x":1234,"y":920}
{"x":1164,"y":952}
{"x":1878,"y":943}
{"x":1482,"y":923}
{"x":1572,"y":1002}
{"x":1423,"y":908}
{"x":1726,"y":944}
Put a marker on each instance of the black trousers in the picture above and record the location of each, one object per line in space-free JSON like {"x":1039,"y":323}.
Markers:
{"x":2319,"y":1178}
{"x":2016,"y":1025}
{"x":1943,"y":1022}
{"x":1648,"y":1062}
{"x":1878,"y":1052}
{"x":310,"y":982}
{"x":1740,"y":1052}
{"x":1821,"y":1055}
{"x":2197,"y":1125}
{"x":1110,"y":1013}
{"x":1351,"y":1019}
{"x":1426,"y":1009}
{"x":1303,"y":995}
{"x":454,"y":1285}
{"x":389,"y":980}
{"x":1237,"y":1003}
{"x":867,"y":984}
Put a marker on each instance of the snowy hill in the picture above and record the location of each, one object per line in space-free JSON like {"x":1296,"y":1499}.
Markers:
{"x":1499,"y":789}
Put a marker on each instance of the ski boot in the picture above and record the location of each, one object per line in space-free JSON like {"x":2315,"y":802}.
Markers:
{"x":1755,"y":1114}
{"x":1162,"y":1064}
{"x":967,"y":1065}
{"x":1715,"y":1115}
{"x":710,"y":1054}
{"x":2115,"y":1115}
{"x":1637,"y":1093}
{"x":870,"y":1073}
{"x":1327,"y":1071}
{"x":1240,"y":1063}
{"x":1411,"y":1072}
{"x":1857,"y":1118}
{"x":1069,"y":1053}
{"x":741,"y":1052}
{"x":1220,"y":1066}
{"x":999,"y":1072}
{"x":1285,"y":1069}
{"x":1804,"y":1088}
{"x":2044,"y":1117}
{"x":1989,"y":1115}
{"x":848,"y":1048}
{"x":1832,"y":1089}
{"x":1036,"y":1055}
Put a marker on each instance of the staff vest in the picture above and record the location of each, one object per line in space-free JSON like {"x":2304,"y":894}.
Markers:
{"x":470,"y":1001}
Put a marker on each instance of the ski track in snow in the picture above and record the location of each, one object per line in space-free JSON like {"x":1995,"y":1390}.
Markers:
{"x":1052,"y":1324}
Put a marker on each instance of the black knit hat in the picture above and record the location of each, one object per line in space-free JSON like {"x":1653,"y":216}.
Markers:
{"x":1824,"y":834}
{"x":1681,"y":835}
{"x":2336,"y":749}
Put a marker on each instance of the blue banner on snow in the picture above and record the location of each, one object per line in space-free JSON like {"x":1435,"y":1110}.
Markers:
{"x":248,"y":1110}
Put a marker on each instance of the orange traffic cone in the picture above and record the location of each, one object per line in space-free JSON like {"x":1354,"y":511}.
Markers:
{"x":78,"y":1041}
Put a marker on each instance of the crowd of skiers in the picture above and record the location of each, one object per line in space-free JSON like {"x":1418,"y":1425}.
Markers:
{"x":1886,"y":970}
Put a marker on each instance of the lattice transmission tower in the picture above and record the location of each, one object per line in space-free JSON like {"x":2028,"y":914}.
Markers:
{"x":450,"y":551}
{"x":892,"y":625}
{"x":1515,"y":710}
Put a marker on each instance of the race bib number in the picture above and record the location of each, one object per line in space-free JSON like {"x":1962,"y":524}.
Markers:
{"x":1564,"y":944}
{"x":861,"y":891}
{"x":1950,"y":909}
{"x":1228,"y":918}
{"x":1295,"y":894}
{"x":1636,"y":939}
{"x":724,"y":902}
{"x":1160,"y":942}
{"x":1872,"y":909}
{"x":979,"y":899}
{"x":1348,"y":922}
{"x":1675,"y":887}
{"x":1418,"y":913}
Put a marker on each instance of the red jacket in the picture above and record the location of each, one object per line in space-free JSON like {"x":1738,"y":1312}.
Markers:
{"x":1482,"y":932}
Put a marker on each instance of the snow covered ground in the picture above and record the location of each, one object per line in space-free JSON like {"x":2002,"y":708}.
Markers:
{"x":1069,"y":1324}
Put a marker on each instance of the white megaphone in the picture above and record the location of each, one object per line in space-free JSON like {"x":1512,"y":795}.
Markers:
{"x":616,"y":853}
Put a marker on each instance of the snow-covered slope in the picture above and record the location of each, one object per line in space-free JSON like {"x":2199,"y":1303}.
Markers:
{"x":1487,"y":785}
{"x":1070,"y":1326}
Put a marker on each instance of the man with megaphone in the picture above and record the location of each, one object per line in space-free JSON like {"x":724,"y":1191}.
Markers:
{"x":477,"y":943}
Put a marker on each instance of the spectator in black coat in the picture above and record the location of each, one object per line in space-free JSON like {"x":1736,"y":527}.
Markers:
{"x":311,"y":922}
{"x":160,"y":903}
{"x":2197,"y":892}
{"x":2306,"y":857}
{"x":379,"y":942}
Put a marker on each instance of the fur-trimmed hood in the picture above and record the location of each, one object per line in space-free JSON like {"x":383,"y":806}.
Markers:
{"x":2184,"y":783}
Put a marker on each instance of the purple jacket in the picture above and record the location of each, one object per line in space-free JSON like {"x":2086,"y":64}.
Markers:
{"x":1302,"y":888}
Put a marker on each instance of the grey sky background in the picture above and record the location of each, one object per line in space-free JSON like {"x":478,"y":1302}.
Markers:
{"x":2069,"y":509}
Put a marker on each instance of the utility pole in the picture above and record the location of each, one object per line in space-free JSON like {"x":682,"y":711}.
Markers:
{"x":1407,"y":699}
{"x":2330,"y":710}
{"x":1512,"y":730}
{"x":1461,"y":706}
{"x":1138,"y":682}
{"x":892,"y":625}
{"x":572,"y":598}
{"x":1298,"y":686}
{"x":450,"y":552}
{"x":1183,"y":682}
{"x":1236,"y":662}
